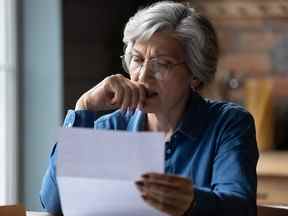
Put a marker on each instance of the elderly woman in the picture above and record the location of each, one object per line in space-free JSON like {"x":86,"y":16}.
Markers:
{"x":211,"y":154}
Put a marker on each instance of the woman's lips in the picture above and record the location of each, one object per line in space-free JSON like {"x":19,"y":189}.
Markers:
{"x":150,"y":94}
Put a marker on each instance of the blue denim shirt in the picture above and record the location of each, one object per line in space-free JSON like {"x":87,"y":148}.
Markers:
{"x":214,"y":145}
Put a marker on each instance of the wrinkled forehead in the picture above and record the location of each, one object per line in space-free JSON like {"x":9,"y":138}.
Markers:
{"x":160,"y":44}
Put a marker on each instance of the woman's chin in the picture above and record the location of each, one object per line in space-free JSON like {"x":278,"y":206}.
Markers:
{"x":150,"y":108}
{"x":151,"y":105}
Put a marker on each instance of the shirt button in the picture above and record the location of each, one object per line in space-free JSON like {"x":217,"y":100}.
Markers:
{"x":168,"y":151}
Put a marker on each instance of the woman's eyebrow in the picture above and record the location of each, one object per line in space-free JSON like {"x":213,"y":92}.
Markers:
{"x":158,"y":54}
{"x":137,"y":52}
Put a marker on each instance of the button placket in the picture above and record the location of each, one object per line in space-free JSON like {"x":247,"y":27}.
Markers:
{"x":168,"y":150}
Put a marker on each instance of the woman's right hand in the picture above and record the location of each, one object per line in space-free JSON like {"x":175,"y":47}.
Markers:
{"x":113,"y":92}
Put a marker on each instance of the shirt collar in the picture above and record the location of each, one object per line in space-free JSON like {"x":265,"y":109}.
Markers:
{"x":195,"y":118}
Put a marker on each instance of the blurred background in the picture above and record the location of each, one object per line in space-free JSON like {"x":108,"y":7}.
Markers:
{"x":53,"y":51}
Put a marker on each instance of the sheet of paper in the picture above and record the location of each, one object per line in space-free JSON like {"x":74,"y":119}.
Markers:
{"x":96,"y":171}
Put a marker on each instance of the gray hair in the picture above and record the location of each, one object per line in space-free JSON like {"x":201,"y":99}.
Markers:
{"x":194,"y":32}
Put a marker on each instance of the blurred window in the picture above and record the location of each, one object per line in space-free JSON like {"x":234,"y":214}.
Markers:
{"x":8,"y":114}
{"x":2,"y":102}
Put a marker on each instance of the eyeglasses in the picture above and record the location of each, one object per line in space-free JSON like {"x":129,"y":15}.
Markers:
{"x":158,"y":68}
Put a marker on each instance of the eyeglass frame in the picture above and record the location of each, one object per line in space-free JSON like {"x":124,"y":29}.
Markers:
{"x":168,"y":65}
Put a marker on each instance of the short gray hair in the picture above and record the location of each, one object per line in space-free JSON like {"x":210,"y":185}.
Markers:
{"x":194,"y":31}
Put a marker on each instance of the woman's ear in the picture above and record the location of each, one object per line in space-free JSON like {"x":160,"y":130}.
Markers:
{"x":194,"y":83}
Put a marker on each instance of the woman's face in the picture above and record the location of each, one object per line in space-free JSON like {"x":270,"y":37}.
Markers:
{"x":165,"y":93}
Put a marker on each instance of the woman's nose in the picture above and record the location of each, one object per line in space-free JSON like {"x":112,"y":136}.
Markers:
{"x":145,"y":72}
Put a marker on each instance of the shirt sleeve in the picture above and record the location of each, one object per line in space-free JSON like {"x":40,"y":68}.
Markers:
{"x":49,"y":194}
{"x":234,"y":179}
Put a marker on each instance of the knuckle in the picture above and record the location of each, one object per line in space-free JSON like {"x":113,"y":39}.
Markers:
{"x":118,"y":76}
{"x":114,"y":77}
{"x":109,"y":80}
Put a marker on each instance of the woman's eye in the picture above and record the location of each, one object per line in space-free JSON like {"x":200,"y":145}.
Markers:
{"x":137,"y":59}
{"x":163,"y":66}
{"x":163,"y":62}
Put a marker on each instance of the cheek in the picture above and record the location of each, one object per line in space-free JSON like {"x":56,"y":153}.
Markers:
{"x":169,"y":92}
{"x":175,"y":87}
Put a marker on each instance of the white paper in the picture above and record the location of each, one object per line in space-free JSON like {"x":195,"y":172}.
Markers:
{"x":96,"y":171}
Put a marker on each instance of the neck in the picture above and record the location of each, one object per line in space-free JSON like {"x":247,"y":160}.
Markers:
{"x":158,"y":122}
{"x":166,"y":121}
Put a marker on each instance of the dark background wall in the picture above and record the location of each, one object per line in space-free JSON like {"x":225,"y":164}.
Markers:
{"x":92,"y":42}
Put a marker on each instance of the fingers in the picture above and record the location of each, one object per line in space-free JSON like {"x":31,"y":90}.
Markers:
{"x":142,"y":96}
{"x":164,"y":207}
{"x":127,"y":98}
{"x":118,"y":94}
{"x":168,"y":193}
{"x":169,"y":180}
{"x":127,"y":94}
{"x":113,"y":92}
{"x":135,"y":96}
{"x":132,"y":96}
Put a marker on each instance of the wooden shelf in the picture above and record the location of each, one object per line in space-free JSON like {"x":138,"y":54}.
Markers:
{"x":273,"y":163}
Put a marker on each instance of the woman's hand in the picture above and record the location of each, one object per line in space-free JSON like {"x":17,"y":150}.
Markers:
{"x":113,"y":92}
{"x":167,"y":193}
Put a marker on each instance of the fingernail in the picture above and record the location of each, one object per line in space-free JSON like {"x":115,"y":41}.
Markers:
{"x":139,"y":108}
{"x":145,"y":176}
{"x":132,"y":110}
{"x":139,"y":183}
{"x":140,"y":188}
{"x":123,"y":111}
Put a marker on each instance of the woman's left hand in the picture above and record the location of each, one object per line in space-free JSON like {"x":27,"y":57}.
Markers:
{"x":168,"y":193}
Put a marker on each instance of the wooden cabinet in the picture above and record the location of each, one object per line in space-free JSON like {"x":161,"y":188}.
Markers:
{"x":272,"y":190}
